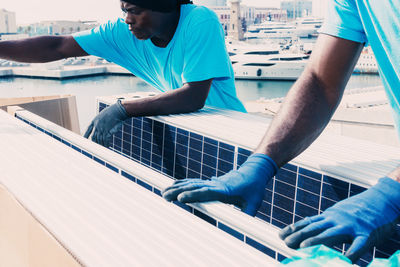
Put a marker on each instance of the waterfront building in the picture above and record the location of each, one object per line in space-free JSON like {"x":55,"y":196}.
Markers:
{"x":210,"y":3}
{"x":236,"y":27}
{"x":7,"y":22}
{"x":297,"y":9}
{"x":248,"y":15}
{"x":57,"y":27}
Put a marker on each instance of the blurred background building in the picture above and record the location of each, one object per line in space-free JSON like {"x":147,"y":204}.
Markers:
{"x":7,"y":22}
{"x":297,"y":9}
{"x":57,"y":27}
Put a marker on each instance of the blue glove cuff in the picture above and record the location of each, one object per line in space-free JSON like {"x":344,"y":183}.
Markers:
{"x":122,"y":110}
{"x":390,"y":189}
{"x":257,"y":157}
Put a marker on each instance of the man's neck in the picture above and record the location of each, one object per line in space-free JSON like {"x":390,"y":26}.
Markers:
{"x":168,"y":32}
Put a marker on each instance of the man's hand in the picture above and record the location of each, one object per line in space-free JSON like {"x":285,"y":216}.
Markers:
{"x":243,"y":187}
{"x":363,"y":220}
{"x":107,"y":123}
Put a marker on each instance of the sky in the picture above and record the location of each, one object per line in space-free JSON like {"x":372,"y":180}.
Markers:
{"x":30,"y":11}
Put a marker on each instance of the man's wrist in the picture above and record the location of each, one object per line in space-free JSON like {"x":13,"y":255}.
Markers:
{"x":265,"y":158}
{"x":390,"y":189}
{"x":122,"y":109}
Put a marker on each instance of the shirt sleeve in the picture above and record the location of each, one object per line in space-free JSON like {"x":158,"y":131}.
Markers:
{"x":101,"y":41}
{"x":205,"y":54}
{"x":343,"y":20}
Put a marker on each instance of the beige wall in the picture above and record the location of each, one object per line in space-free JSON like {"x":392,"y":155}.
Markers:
{"x":24,"y":242}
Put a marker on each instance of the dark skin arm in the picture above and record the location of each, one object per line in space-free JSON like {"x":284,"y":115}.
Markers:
{"x":41,"y":49}
{"x":311,"y":102}
{"x":189,"y":98}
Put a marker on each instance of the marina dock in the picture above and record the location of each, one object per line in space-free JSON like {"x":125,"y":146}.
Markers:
{"x":64,"y":72}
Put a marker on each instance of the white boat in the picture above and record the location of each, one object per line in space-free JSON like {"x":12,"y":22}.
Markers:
{"x":269,"y":67}
{"x":271,"y":30}
{"x":243,"y":48}
{"x":367,"y":62}
{"x":303,"y":28}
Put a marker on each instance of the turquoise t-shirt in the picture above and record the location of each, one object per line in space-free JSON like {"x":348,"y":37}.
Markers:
{"x":196,"y":52}
{"x":376,"y":22}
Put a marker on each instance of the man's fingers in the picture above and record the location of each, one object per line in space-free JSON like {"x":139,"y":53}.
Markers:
{"x":172,"y":193}
{"x":249,"y":209}
{"x":180,"y":183}
{"x":95,"y":136}
{"x":359,"y":246}
{"x":330,"y":237}
{"x":201,"y":195}
{"x":290,"y":229}
{"x":89,"y":130}
{"x":313,"y":229}
{"x":106,"y":139}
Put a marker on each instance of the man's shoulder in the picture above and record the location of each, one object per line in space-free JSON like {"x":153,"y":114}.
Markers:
{"x":117,"y":23}
{"x":198,"y":14}
{"x":115,"y":28}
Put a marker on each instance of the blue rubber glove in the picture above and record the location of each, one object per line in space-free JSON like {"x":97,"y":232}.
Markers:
{"x":243,"y":187}
{"x":363,"y":220}
{"x":107,"y":123}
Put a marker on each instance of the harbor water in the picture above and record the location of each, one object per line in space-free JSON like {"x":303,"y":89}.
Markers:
{"x":87,"y":89}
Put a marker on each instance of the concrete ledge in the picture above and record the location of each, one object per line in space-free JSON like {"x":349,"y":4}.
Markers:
{"x":65,"y":72}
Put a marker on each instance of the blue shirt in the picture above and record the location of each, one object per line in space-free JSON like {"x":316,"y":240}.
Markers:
{"x":376,"y":22}
{"x":196,"y":52}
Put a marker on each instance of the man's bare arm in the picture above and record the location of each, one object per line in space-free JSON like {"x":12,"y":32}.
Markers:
{"x":311,"y":102}
{"x":41,"y":49}
{"x":190,"y":97}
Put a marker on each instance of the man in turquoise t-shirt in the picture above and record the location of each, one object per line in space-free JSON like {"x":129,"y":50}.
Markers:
{"x":173,"y":45}
{"x":365,"y":219}
{"x":181,"y":47}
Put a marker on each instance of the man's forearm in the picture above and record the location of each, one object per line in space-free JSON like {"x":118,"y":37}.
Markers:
{"x":306,"y":111}
{"x":34,"y":50}
{"x":188,"y":98}
{"x":161,"y":104}
{"x":312,"y":100}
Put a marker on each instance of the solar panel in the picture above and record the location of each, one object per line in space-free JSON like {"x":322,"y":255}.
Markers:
{"x":97,"y":217}
{"x":212,"y":142}
{"x":245,"y":228}
{"x":192,"y":146}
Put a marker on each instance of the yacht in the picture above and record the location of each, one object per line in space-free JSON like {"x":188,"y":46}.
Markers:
{"x":280,"y":66}
{"x":302,"y":28}
{"x":311,"y":22}
{"x":271,"y":30}
{"x":367,"y":62}
{"x":243,"y":48}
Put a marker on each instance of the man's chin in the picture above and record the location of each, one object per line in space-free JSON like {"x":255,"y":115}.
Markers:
{"x":140,"y":36}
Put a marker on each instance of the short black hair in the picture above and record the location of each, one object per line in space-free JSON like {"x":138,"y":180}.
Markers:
{"x":159,"y":5}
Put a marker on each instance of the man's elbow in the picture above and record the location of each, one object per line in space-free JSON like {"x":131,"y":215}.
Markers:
{"x":197,"y":106}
